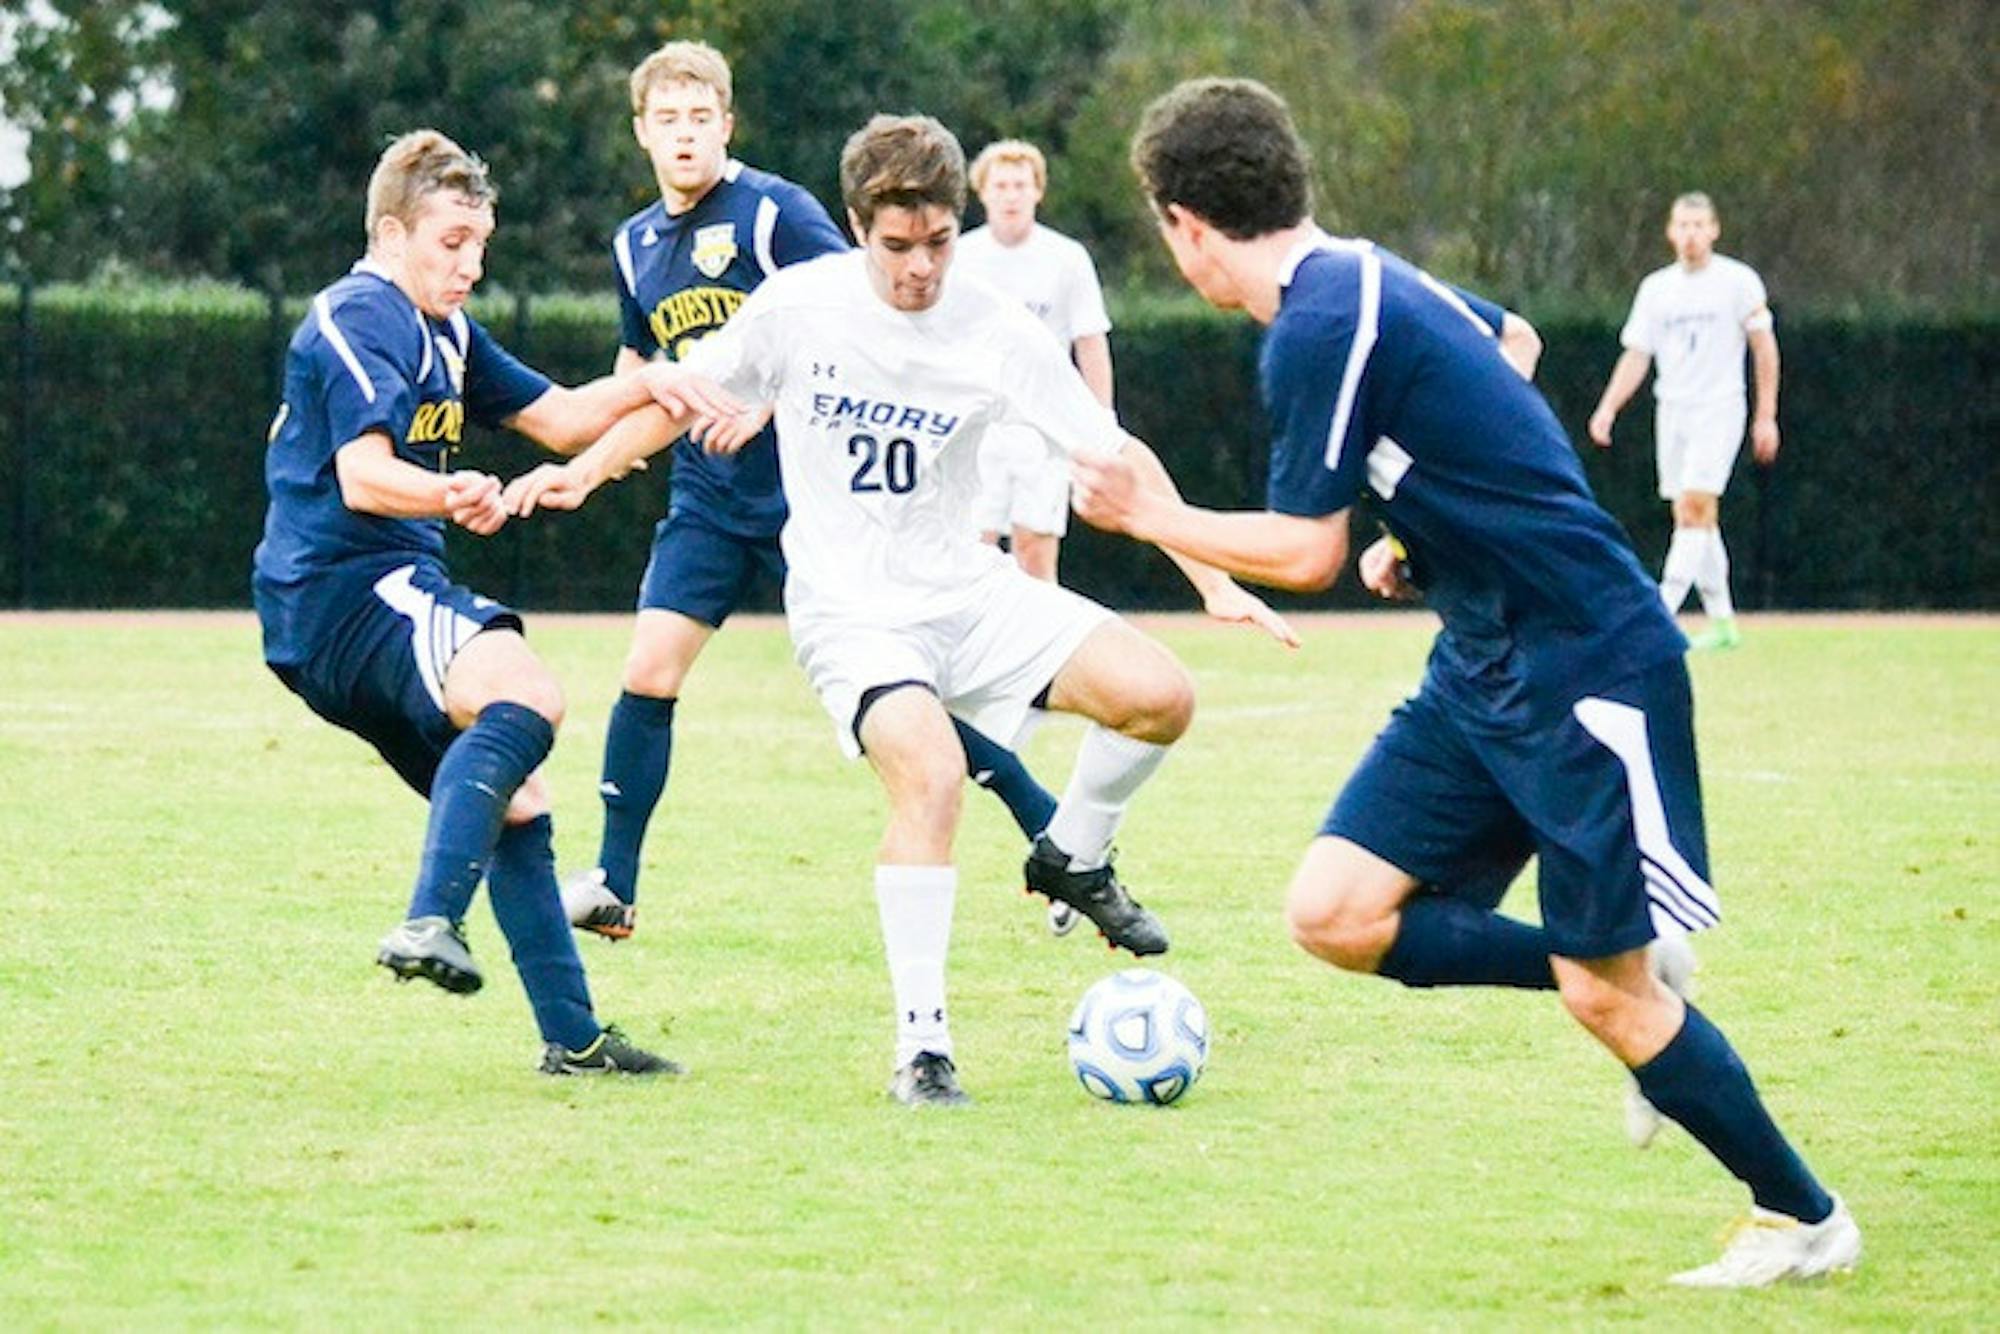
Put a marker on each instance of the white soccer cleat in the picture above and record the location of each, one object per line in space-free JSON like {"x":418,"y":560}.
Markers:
{"x":1062,"y":919}
{"x":1771,"y":1248}
{"x":590,"y":905}
{"x":1672,"y":960}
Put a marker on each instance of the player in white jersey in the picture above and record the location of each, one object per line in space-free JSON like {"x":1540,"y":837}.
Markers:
{"x":1694,"y":318}
{"x":1023,"y":492}
{"x":884,"y":378}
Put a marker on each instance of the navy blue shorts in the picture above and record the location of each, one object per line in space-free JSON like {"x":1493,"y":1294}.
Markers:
{"x":382,"y":675}
{"x":1607,"y":796}
{"x":702,"y":571}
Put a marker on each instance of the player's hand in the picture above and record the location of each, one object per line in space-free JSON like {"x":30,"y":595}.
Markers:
{"x":1385,"y":573}
{"x":551,"y":486}
{"x":685,"y":394}
{"x":726,"y":435}
{"x":1230,"y":601}
{"x":1764,"y":441}
{"x":1600,"y":427}
{"x":472,"y":500}
{"x":1106,"y":492}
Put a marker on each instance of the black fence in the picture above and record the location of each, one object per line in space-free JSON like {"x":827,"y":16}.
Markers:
{"x":131,"y":456}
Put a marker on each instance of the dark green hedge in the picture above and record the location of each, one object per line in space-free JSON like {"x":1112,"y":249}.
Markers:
{"x":131,"y":471}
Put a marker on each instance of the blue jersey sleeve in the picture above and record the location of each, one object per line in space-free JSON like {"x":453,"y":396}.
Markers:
{"x":497,"y":383}
{"x":366,"y":363}
{"x":804,"y":230}
{"x":1490,"y":314}
{"x":633,"y":331}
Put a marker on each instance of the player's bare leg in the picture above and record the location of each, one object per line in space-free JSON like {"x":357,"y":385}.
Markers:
{"x":1688,"y":1070}
{"x":909,"y":740}
{"x":1142,"y":701}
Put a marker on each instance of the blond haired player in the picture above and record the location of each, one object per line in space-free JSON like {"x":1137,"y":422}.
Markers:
{"x":1692,"y":320}
{"x":1022,"y":494}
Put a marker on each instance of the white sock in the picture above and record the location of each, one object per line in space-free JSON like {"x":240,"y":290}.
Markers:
{"x":1712,"y":581}
{"x":915,"y":904}
{"x":1683,"y":566}
{"x":1109,"y":768}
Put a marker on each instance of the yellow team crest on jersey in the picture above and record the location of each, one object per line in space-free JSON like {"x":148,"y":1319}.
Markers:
{"x":714,"y":248}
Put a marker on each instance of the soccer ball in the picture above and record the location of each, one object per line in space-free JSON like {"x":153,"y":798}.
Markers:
{"x":1138,"y":1036}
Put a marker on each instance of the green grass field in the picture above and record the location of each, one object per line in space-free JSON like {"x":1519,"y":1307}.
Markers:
{"x":214,"y":1110}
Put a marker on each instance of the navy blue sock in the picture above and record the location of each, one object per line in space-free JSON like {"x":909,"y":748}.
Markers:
{"x":638,"y":749}
{"x":1700,"y":1082}
{"x":1001,"y":772}
{"x":521,"y":885}
{"x":474,"y":782}
{"x":1445,"y":942}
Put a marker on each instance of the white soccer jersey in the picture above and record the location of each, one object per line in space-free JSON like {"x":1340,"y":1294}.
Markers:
{"x":879,"y":416}
{"x":1049,"y":271}
{"x":1693,"y":324}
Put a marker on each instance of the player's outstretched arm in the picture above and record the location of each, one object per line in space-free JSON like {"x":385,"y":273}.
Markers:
{"x":374,"y":481}
{"x":1136,"y":479}
{"x":567,"y":420}
{"x":1626,"y":377}
{"x":565,"y":486}
{"x":1286,"y":551}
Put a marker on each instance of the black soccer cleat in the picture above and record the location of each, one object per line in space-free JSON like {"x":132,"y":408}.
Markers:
{"x":1098,"y":896}
{"x":434,"y":949}
{"x":610,"y":1054}
{"x":929,"y":1080}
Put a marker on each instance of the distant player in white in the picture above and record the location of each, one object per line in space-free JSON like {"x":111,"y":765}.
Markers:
{"x":1023,"y":491}
{"x":884,"y":379}
{"x":1695,"y":317}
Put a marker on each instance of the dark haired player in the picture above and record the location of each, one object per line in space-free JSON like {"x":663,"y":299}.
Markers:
{"x":1554,"y":717}
{"x":684,"y":265}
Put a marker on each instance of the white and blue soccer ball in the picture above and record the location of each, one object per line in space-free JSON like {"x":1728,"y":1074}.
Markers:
{"x":1138,"y":1036}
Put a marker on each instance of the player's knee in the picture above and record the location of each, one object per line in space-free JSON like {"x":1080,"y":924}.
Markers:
{"x":1329,"y":922}
{"x":1161,"y":706}
{"x":931,"y":791}
{"x":1601,"y":1007}
{"x":1695,"y":509}
{"x":540,"y":692}
{"x":655,"y":669}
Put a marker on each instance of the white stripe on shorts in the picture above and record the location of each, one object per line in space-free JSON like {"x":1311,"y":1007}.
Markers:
{"x":1678,"y":899}
{"x":437,"y":632}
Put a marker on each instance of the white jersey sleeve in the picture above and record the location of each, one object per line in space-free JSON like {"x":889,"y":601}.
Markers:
{"x":1751,"y":299}
{"x":1042,"y":389}
{"x":1086,"y":315}
{"x":746,"y":355}
{"x":1641,"y":331}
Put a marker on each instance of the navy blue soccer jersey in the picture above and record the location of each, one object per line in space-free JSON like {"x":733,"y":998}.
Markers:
{"x":680,"y":278}
{"x":1379,"y":376}
{"x":365,"y":359}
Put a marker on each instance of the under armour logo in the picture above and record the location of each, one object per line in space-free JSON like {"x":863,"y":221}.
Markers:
{"x":825,"y":370}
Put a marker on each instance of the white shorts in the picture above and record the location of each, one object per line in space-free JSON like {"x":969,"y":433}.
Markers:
{"x":1022,"y":484}
{"x":1696,"y":444}
{"x":987,"y":662}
